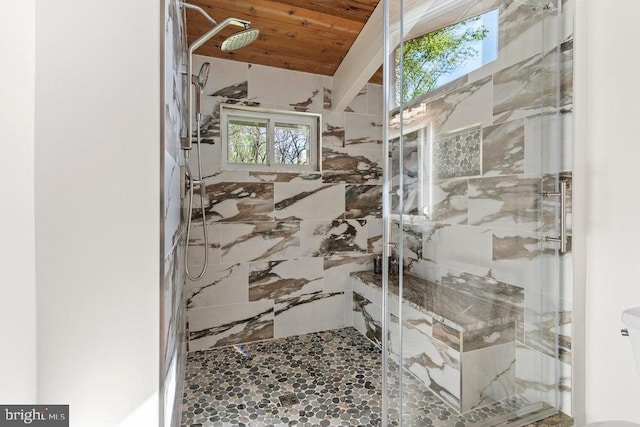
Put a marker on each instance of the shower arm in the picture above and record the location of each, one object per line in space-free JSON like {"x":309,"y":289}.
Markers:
{"x":186,"y":143}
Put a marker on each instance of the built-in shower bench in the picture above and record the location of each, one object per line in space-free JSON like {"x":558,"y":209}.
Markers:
{"x":461,"y":346}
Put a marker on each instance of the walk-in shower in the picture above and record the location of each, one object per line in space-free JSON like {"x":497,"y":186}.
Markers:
{"x":456,"y":185}
{"x":235,"y":41}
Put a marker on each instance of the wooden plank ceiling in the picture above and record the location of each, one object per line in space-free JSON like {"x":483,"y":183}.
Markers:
{"x":302,"y":35}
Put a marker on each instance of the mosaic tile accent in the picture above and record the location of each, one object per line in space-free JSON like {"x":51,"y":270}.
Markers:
{"x":458,"y":154}
{"x":335,"y":376}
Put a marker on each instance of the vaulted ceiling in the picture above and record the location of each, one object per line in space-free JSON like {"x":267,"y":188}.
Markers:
{"x":302,"y":35}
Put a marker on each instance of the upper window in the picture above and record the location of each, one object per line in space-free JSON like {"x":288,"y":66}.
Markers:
{"x":441,"y":56}
{"x":255,"y":138}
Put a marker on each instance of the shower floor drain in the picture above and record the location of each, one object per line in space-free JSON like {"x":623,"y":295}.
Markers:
{"x":288,"y":399}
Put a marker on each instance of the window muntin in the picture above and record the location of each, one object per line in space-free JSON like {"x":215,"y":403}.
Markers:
{"x":261,"y":139}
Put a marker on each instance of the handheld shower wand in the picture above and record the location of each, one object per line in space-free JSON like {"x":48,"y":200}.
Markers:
{"x":199,"y":82}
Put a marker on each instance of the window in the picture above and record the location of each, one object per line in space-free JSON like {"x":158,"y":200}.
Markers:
{"x":439,"y":57}
{"x":260,"y":139}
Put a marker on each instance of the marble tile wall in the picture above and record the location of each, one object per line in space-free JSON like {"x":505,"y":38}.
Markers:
{"x":485,"y":220}
{"x":281,"y":245}
{"x":173,"y":317}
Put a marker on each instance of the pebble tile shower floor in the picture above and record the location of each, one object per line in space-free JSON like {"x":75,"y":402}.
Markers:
{"x":327,"y":378}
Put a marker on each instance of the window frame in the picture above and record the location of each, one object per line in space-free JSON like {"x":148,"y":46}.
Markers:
{"x":271,"y":117}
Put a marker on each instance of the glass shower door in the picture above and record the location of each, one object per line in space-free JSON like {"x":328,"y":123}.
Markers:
{"x":471,"y":286}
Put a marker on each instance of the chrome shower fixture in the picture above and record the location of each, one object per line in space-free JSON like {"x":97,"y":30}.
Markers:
{"x":200,"y":81}
{"x":235,"y":41}
{"x":203,"y":75}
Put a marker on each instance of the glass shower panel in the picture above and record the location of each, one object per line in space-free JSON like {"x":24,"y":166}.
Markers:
{"x":471,"y":284}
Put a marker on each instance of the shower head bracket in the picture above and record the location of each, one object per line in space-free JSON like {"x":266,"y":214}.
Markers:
{"x":185,"y":142}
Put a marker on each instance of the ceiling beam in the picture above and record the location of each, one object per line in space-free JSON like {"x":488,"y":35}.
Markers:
{"x":360,"y":63}
{"x":367,"y":52}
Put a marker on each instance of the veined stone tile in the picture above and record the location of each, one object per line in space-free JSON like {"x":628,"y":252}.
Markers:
{"x":545,"y":320}
{"x":374,"y":236}
{"x":351,"y":165}
{"x":219,"y":175}
{"x":293,"y":89}
{"x":338,"y":267}
{"x":259,"y":241}
{"x":284,"y":279}
{"x":230,"y":77}
{"x":196,"y":247}
{"x":328,"y":89}
{"x":232,"y":201}
{"x":172,"y":204}
{"x":503,"y":149}
{"x":324,"y":238}
{"x":230,"y":324}
{"x":210,"y":122}
{"x":418,"y":320}
{"x":537,"y":380}
{"x":458,"y":247}
{"x":424,"y":269}
{"x":363,"y":201}
{"x":367,"y":318}
{"x":487,"y":288}
{"x":488,"y":376}
{"x":506,"y":202}
{"x":447,"y":335}
{"x":519,"y":259}
{"x":359,"y":103}
{"x":333,"y":129}
{"x":375,"y":97}
{"x":431,"y":361}
{"x":489,"y":337}
{"x":221,"y":283}
{"x":363,"y":131}
{"x":408,"y":175}
{"x":449,"y":200}
{"x":308,"y":313}
{"x":411,"y":238}
{"x":285,"y":176}
{"x":294,"y":201}
{"x":520,"y":30}
{"x":517,"y":90}
{"x":453,"y":110}
{"x":545,"y":150}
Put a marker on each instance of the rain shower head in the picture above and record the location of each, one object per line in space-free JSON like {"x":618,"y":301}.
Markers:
{"x":240,"y":39}
{"x":235,"y":41}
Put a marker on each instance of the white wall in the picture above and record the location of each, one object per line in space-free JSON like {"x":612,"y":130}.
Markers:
{"x":17,"y":251}
{"x":608,"y":151}
{"x":98,"y":208}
